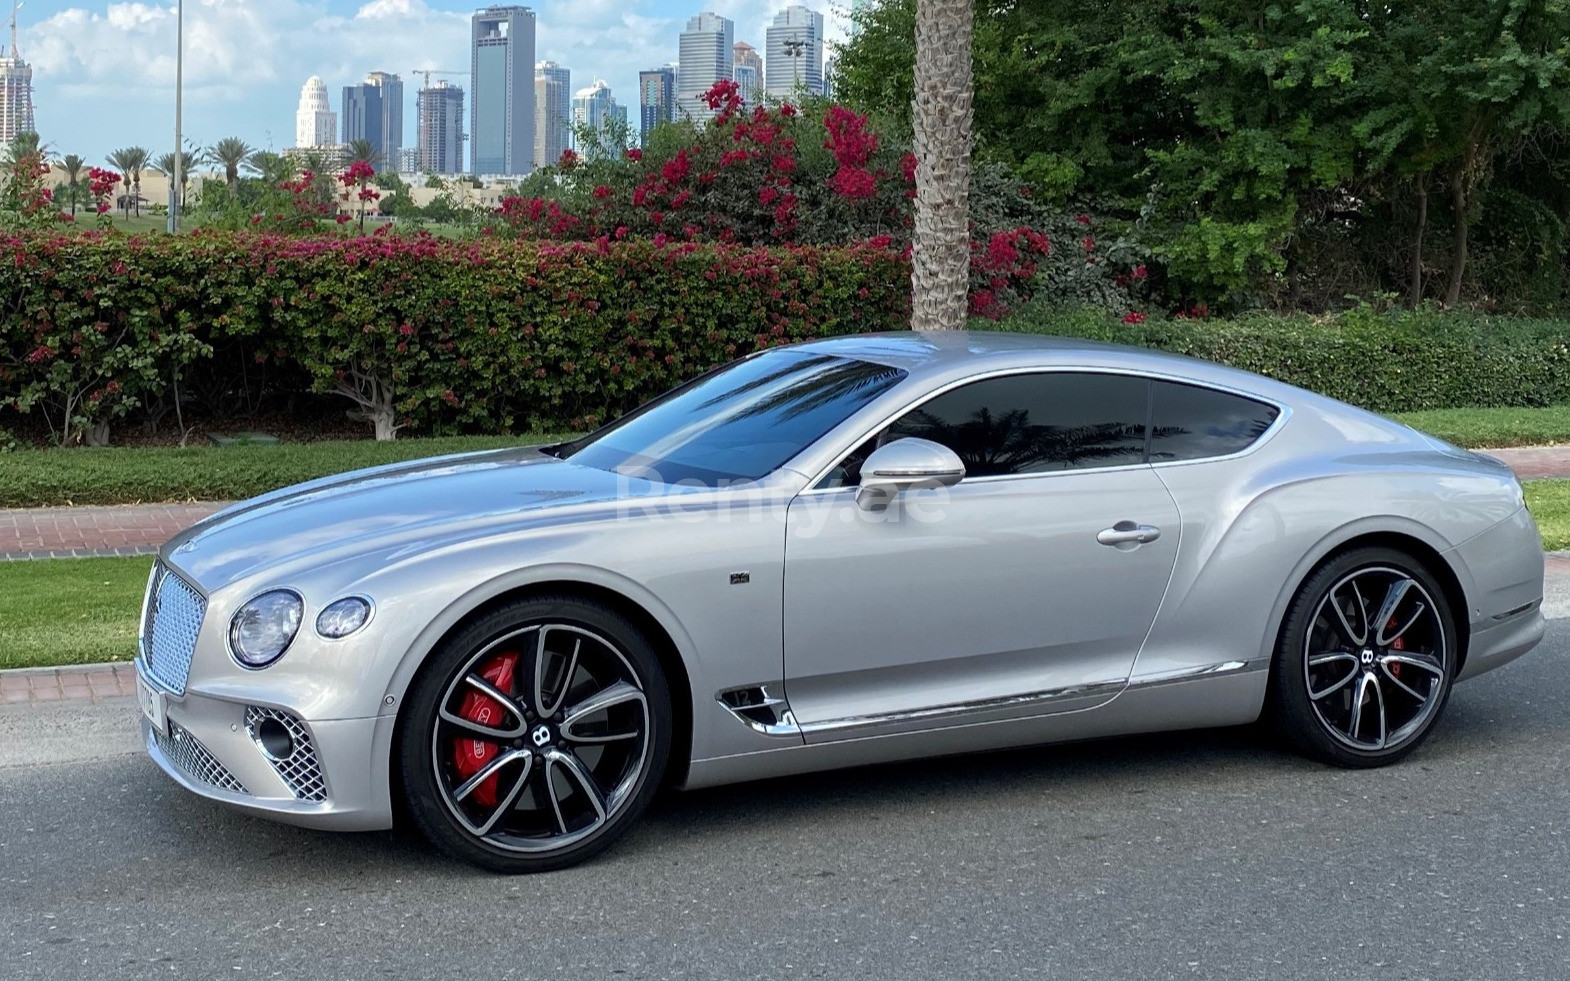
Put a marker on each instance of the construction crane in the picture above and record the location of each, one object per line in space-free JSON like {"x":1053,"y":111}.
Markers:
{"x":428,"y":72}
{"x":15,"y":52}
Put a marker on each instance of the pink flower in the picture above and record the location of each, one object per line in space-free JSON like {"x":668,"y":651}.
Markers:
{"x":1140,"y":272}
{"x":853,"y":183}
{"x":1133,"y":317}
{"x":1082,"y":219}
{"x":635,"y":154}
{"x":601,"y":191}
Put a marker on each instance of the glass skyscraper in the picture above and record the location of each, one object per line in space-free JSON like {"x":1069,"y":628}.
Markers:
{"x":501,"y":96}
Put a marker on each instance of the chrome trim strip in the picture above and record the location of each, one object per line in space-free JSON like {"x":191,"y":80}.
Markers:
{"x":1180,"y":675}
{"x":958,"y":709}
{"x":1283,"y":412}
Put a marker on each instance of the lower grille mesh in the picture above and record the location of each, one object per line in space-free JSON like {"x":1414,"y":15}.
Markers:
{"x":185,"y":752}
{"x":299,"y":770}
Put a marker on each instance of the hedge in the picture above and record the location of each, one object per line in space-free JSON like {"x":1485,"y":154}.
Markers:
{"x":1395,"y":361}
{"x":443,"y":336}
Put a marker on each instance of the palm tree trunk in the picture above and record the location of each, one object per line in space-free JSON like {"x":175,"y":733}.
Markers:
{"x":940,"y":260}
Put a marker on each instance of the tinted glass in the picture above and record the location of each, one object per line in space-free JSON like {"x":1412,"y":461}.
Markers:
{"x":738,"y":423}
{"x":1036,"y":423}
{"x":1194,"y":423}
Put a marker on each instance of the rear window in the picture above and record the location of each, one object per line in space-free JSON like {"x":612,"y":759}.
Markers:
{"x":1189,"y":423}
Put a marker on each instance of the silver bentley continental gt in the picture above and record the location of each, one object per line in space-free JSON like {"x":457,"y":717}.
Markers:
{"x":839,"y":553}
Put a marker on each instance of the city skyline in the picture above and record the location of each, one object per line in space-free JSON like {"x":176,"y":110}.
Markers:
{"x":103,"y":71}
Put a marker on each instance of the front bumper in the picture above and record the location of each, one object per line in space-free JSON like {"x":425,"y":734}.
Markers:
{"x":206,"y":746}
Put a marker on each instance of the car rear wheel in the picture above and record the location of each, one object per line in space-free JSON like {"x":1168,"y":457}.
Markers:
{"x":1365,"y":661}
{"x":536,"y":735}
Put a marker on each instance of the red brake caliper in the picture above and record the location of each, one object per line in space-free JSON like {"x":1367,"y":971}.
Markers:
{"x":471,"y":755}
{"x":1396,"y":645}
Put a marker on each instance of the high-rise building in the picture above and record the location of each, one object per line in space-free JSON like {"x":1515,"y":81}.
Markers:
{"x":828,"y":77}
{"x":441,"y":129}
{"x":656,"y":98}
{"x":16,"y":91}
{"x":707,"y":55}
{"x":748,"y":71}
{"x":501,"y":97}
{"x":552,"y":112}
{"x":409,"y":160}
{"x":315,"y":123}
{"x":795,"y":53}
{"x":373,"y":110}
{"x":595,"y":112}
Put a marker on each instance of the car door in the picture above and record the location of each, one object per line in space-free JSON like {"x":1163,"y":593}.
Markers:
{"x":1026,"y":588}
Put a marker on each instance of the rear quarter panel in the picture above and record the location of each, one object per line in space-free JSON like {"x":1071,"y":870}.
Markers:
{"x":1254,"y":527}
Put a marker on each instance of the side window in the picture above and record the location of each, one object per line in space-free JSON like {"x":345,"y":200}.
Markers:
{"x":1190,"y":423}
{"x":1038,"y":423}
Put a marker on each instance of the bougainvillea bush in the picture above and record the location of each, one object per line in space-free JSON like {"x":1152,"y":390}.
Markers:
{"x":819,"y":174}
{"x":433,"y":334}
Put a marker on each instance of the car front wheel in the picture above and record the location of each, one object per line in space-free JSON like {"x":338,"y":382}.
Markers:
{"x":1365,"y":661}
{"x":536,"y":735}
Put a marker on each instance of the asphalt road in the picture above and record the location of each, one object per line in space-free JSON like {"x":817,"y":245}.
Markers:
{"x":1199,"y":855}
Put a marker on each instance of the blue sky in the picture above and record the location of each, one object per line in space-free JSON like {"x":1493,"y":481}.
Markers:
{"x":103,"y":72}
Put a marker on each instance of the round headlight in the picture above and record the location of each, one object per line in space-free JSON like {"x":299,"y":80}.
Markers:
{"x":343,"y":617}
{"x":265,"y":627}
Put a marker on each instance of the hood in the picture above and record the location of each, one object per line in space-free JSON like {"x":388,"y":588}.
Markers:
{"x":395,"y":506}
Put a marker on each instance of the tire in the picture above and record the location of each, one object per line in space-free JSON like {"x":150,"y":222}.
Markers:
{"x":492,"y":779}
{"x":1365,"y":661}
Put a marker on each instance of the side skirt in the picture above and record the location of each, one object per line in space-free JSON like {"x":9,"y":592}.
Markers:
{"x":1232,"y":693}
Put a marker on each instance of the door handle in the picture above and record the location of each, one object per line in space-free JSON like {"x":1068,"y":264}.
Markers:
{"x":1128,"y":533}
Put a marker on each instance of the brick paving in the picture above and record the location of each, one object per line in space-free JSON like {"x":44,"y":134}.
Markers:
{"x":60,"y":533}
{"x":90,"y":681}
{"x":1536,"y":462}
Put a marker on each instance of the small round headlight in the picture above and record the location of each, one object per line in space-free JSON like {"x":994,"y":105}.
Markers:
{"x":265,"y":627}
{"x":343,"y":617}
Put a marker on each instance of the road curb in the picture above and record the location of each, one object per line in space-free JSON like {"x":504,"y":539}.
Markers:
{"x":72,"y":682}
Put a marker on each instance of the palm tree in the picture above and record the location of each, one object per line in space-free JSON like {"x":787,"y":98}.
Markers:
{"x":188,"y":161}
{"x":231,"y":153}
{"x":131,"y":161}
{"x":269,"y":166}
{"x":72,"y":165}
{"x":363,"y":151}
{"x":943,"y":111}
{"x":23,"y":144}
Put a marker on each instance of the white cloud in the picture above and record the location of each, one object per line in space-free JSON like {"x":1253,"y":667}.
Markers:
{"x":104,"y":72}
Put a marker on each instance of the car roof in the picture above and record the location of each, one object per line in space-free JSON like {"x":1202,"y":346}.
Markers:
{"x":941,"y":352}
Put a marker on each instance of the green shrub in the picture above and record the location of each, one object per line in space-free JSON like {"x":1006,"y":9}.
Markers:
{"x":1399,"y":361}
{"x":437,"y":335}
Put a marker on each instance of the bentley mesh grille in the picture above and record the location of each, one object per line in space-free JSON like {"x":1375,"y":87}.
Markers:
{"x":187,"y":753}
{"x":174,"y":618}
{"x":300,"y":769}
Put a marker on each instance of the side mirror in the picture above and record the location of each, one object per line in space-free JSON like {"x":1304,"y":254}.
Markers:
{"x":905,"y":464}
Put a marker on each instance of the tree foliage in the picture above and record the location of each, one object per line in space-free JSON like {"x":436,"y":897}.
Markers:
{"x":1236,"y":136}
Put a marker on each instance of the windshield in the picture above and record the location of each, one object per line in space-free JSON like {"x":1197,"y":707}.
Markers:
{"x":740,"y":422}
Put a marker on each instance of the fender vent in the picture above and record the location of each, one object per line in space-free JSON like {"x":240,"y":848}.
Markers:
{"x":761,"y":710}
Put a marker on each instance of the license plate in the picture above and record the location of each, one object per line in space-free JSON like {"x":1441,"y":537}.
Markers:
{"x":153,"y":706}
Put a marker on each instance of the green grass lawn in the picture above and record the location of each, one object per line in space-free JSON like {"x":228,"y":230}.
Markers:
{"x":80,"y":611}
{"x":1549,"y":502}
{"x":1479,"y":428}
{"x":129,"y":475}
{"x":69,"y":611}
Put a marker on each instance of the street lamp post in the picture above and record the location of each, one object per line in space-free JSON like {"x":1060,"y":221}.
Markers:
{"x":796,"y":50}
{"x":178,"y":176}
